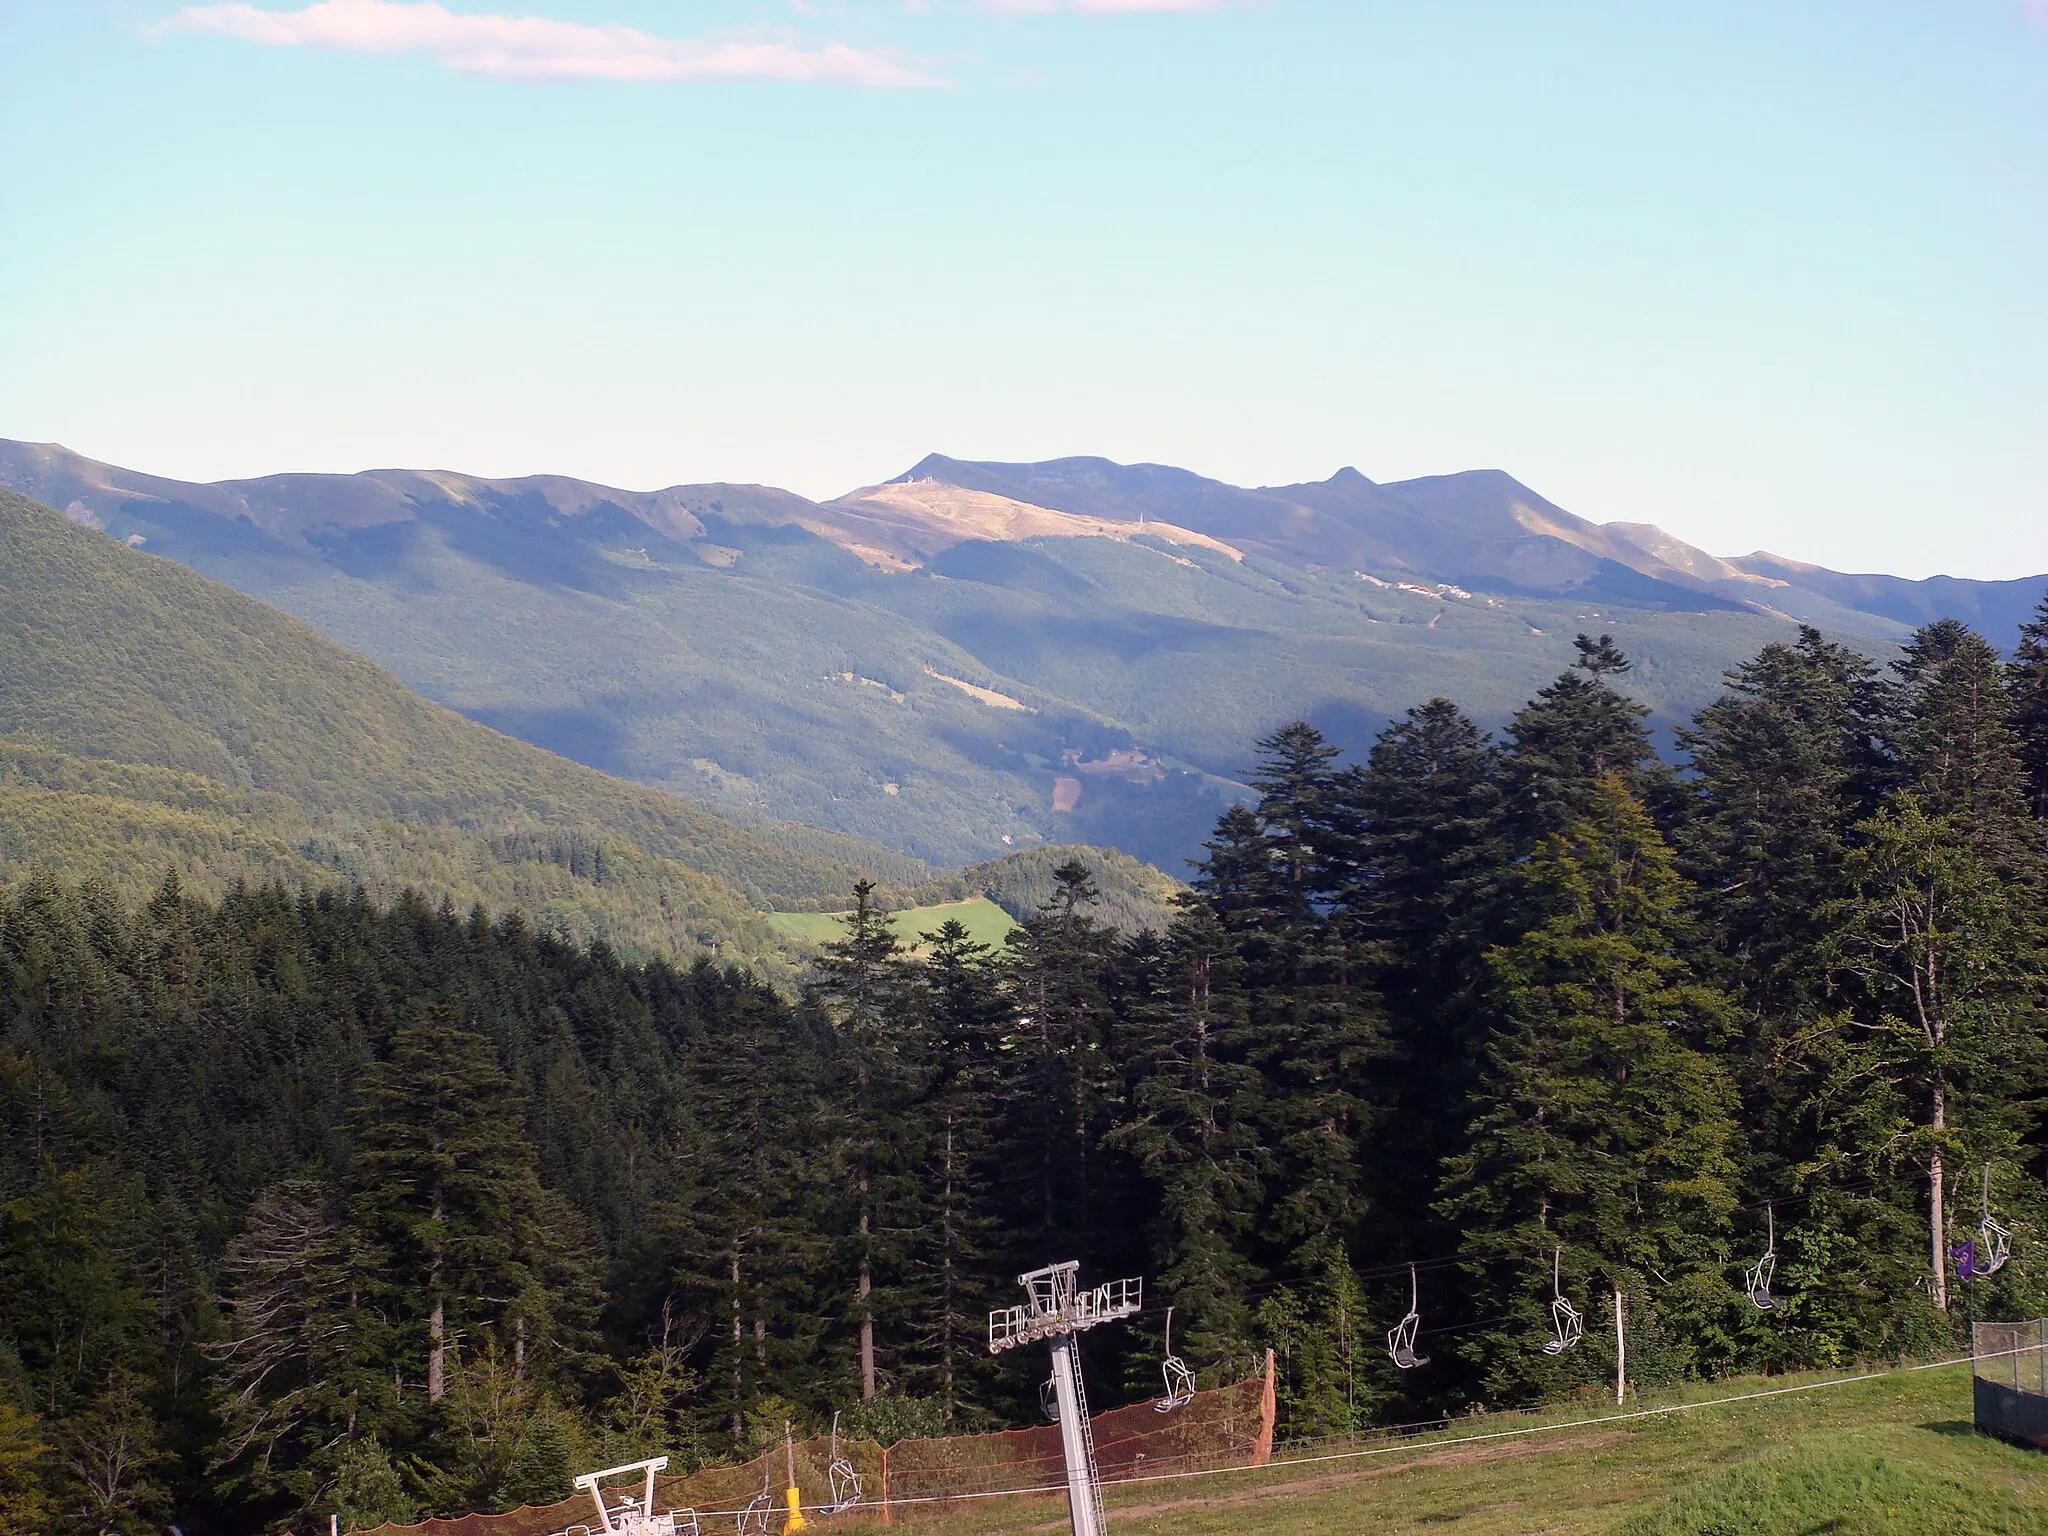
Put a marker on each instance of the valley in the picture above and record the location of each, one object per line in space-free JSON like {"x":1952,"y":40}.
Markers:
{"x":976,"y":657}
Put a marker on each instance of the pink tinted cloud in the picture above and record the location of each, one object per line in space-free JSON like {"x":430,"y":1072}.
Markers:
{"x":541,"y":48}
{"x":2037,"y":11}
{"x":1112,"y":7}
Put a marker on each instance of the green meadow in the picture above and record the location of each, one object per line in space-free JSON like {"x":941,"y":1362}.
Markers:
{"x":982,"y":918}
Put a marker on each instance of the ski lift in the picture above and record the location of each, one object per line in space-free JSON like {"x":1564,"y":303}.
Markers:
{"x":753,"y":1520}
{"x":1401,"y":1337}
{"x":1996,"y":1247}
{"x":846,"y":1487}
{"x":1049,"y":1400}
{"x":1757,"y":1277}
{"x":1180,"y":1381}
{"x":1565,"y":1320}
{"x":687,"y":1523}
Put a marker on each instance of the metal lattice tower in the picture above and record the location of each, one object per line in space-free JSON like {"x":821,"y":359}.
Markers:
{"x":1058,"y":1311}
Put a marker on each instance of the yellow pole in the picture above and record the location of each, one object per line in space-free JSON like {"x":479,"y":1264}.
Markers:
{"x":794,"y":1521}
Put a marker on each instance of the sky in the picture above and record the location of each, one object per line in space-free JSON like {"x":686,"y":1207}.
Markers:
{"x":1767,"y":273}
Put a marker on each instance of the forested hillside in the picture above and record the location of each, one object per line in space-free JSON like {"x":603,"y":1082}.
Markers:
{"x":310,"y":1205}
{"x":976,"y":656}
{"x":151,"y":717}
{"x":1130,"y":896}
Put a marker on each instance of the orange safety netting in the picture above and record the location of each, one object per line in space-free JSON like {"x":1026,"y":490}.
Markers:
{"x":1221,"y":1427}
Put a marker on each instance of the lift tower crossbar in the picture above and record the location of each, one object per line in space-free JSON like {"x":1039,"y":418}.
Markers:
{"x":1058,"y":1311}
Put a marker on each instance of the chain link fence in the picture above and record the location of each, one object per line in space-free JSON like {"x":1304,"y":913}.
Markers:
{"x":2009,"y":1362}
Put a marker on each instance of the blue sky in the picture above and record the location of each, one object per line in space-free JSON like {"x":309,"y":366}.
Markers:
{"x":1768,"y":274}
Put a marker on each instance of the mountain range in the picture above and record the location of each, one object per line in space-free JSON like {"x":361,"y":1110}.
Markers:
{"x":977,"y":656}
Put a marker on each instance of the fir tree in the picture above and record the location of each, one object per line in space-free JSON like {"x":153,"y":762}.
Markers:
{"x":1934,"y":1055}
{"x":862,"y":987}
{"x":1312,"y":1022}
{"x":1955,"y":744}
{"x":1300,"y":812}
{"x":301,"y":1365}
{"x":1431,"y":856}
{"x":1605,"y":1127}
{"x":1058,"y":1082}
{"x":24,"y":1501}
{"x":962,"y":1016}
{"x":443,"y":1180}
{"x":1567,"y":738}
{"x":746,"y":1227}
{"x":368,"y":1490}
{"x":1777,"y":761}
{"x":2026,"y":684}
{"x":543,"y":1464}
{"x":1193,"y":1128}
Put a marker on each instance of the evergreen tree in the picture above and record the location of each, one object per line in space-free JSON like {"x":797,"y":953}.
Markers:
{"x":750,"y":1225}
{"x":2026,"y":683}
{"x":442,"y":1179}
{"x":1431,"y":854}
{"x":963,"y":1017}
{"x":368,"y":1490}
{"x":1955,"y":744}
{"x":543,"y":1465}
{"x":1935,"y":1054}
{"x":1573,"y":733}
{"x":1193,"y":1128}
{"x":24,"y":1501}
{"x":862,"y":987}
{"x":1058,"y":1084}
{"x":1301,"y":814}
{"x":1312,"y":1023}
{"x":1605,"y":1127}
{"x":1778,"y":760}
{"x":302,"y":1366}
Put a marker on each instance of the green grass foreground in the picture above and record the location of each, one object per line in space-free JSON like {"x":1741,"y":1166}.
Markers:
{"x":1893,"y":1455}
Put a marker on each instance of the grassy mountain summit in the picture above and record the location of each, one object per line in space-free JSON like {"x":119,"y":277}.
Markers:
{"x":153,"y":717}
{"x":976,"y":658}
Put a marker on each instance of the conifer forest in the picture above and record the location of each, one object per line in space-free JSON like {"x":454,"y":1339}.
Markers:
{"x":314,"y":1206}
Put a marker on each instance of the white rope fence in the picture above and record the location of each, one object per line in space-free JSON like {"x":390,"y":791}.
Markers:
{"x":1422,"y":1443}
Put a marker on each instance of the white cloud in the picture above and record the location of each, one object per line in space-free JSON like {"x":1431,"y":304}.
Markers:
{"x":541,"y":48}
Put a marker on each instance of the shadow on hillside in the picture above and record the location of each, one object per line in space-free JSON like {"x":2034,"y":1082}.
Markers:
{"x":1961,"y":1428}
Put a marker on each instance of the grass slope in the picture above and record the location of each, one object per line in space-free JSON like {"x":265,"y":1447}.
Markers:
{"x":1134,"y":895}
{"x":152,"y":717}
{"x":1895,"y":1455}
{"x":985,"y":922}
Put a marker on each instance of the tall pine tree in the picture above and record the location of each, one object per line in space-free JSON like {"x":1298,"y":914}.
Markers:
{"x":1605,"y":1128}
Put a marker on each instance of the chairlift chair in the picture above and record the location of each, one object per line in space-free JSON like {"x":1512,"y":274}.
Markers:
{"x":846,"y":1485}
{"x":1566,"y":1323}
{"x":1758,"y":1276}
{"x":1996,"y":1245}
{"x":1401,"y":1337}
{"x":1180,"y":1381}
{"x":753,"y":1520}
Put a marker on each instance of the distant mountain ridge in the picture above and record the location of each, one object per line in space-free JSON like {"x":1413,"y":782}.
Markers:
{"x":1478,"y":528}
{"x":975,"y":657}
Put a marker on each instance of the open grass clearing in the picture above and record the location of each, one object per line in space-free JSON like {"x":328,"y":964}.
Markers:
{"x":1896,"y":1454}
{"x":984,"y":921}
